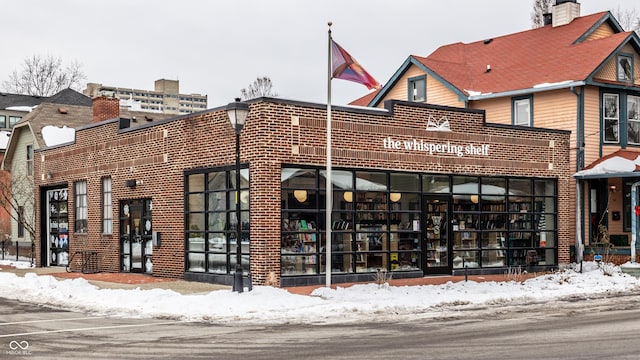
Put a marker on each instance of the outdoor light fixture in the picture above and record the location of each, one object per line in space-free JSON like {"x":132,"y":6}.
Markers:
{"x":612,"y":188}
{"x":300,"y":195}
{"x":237,"y":112}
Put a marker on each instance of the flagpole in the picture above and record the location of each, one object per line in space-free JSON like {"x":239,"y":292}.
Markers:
{"x":329,"y":184}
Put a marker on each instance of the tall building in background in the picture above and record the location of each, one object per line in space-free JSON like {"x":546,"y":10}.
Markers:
{"x":165,"y":98}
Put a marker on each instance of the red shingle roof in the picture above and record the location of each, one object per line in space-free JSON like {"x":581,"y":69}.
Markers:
{"x":525,"y":59}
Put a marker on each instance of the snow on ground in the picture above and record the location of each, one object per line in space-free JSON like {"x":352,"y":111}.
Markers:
{"x":268,"y":305}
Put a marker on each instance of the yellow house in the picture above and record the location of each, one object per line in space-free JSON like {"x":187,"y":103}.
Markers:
{"x":576,"y":73}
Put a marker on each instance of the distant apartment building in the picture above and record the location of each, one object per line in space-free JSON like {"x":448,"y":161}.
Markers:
{"x":165,"y":98}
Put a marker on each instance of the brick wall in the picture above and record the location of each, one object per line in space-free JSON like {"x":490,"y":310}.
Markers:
{"x":278,"y":132}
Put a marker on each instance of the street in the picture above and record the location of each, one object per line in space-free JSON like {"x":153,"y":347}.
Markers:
{"x":585,"y":329}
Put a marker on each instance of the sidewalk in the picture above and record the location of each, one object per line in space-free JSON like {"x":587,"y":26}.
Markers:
{"x":125,"y":281}
{"x":132,"y":281}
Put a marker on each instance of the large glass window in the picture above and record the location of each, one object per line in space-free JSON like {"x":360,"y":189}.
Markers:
{"x":3,"y":121}
{"x":611,"y":118}
{"x":633,"y":119}
{"x":211,"y":221}
{"x":81,"y":219}
{"x":377,"y":221}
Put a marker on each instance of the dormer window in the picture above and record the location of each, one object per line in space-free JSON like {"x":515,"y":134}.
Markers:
{"x":418,"y":89}
{"x":625,"y":68}
{"x":522,"y":110}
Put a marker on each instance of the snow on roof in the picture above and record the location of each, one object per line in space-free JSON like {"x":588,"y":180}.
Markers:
{"x":4,"y":139}
{"x":613,"y":165}
{"x":53,"y":135}
{"x":21,"y":108}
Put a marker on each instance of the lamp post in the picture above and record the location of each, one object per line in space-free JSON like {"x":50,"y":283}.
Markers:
{"x":237,"y":112}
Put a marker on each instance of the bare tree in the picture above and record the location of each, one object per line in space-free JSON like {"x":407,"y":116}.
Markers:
{"x":629,"y":19}
{"x":540,"y":7}
{"x":262,"y":86}
{"x":44,"y":76}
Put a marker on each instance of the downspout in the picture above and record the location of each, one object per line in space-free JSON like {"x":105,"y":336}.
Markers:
{"x":634,"y":220}
{"x":579,"y":151}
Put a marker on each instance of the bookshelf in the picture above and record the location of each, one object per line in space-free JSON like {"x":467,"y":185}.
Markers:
{"x":299,"y":243}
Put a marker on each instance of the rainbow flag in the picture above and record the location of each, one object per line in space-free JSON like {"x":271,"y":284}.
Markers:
{"x":345,"y":67}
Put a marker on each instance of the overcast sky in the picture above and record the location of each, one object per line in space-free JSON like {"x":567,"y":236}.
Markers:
{"x":219,"y":47}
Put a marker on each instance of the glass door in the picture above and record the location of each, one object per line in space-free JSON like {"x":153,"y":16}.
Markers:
{"x":436,"y":235}
{"x":57,"y":234}
{"x":135,"y":236}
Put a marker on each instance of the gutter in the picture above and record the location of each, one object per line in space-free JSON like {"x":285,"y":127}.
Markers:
{"x":535,"y":89}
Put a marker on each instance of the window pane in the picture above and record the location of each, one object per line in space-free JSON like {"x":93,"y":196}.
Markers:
{"x":107,"y":207}
{"x":633,"y":118}
{"x":519,"y":187}
{"x":435,"y":183}
{"x":625,"y":68}
{"x":300,"y":178}
{"x":217,"y":181}
{"x":196,"y":202}
{"x":81,"y":206}
{"x":405,"y":182}
{"x":196,"y":182}
{"x":522,"y":112}
{"x":417,"y":89}
{"x":611,"y":117}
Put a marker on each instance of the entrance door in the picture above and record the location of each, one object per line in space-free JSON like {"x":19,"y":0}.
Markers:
{"x":55,"y":244}
{"x":435,"y":234}
{"x":135,"y":236}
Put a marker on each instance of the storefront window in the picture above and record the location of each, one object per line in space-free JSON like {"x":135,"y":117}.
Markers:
{"x":379,"y":220}
{"x":211,"y":220}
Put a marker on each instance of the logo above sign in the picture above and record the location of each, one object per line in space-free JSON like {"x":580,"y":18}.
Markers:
{"x":435,"y":125}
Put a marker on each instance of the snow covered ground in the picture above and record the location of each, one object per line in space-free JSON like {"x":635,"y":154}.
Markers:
{"x":268,"y":305}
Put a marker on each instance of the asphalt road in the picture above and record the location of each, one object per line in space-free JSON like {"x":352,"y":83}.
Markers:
{"x":585,"y":329}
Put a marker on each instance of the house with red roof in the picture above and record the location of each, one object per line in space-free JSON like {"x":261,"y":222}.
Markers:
{"x":576,"y":73}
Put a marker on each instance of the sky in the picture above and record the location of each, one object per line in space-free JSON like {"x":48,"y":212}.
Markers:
{"x":269,"y":305}
{"x":219,"y":47}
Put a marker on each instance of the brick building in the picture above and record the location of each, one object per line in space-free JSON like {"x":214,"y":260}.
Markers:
{"x":417,"y":189}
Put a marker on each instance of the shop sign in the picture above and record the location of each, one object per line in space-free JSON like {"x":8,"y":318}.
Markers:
{"x":434,"y":148}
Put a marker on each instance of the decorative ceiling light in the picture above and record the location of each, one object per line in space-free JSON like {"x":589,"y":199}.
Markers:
{"x":348,"y":196}
{"x":300,"y":195}
{"x":395,"y":197}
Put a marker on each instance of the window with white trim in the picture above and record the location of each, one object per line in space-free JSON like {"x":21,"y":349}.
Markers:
{"x":107,"y":206}
{"x":611,"y":118}
{"x":30,"y":160}
{"x":522,"y":111}
{"x":633,"y":119}
{"x":81,"y":220}
{"x":625,"y":68}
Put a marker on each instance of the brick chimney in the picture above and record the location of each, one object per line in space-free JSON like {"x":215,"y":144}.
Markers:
{"x":105,"y":108}
{"x":564,"y":11}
